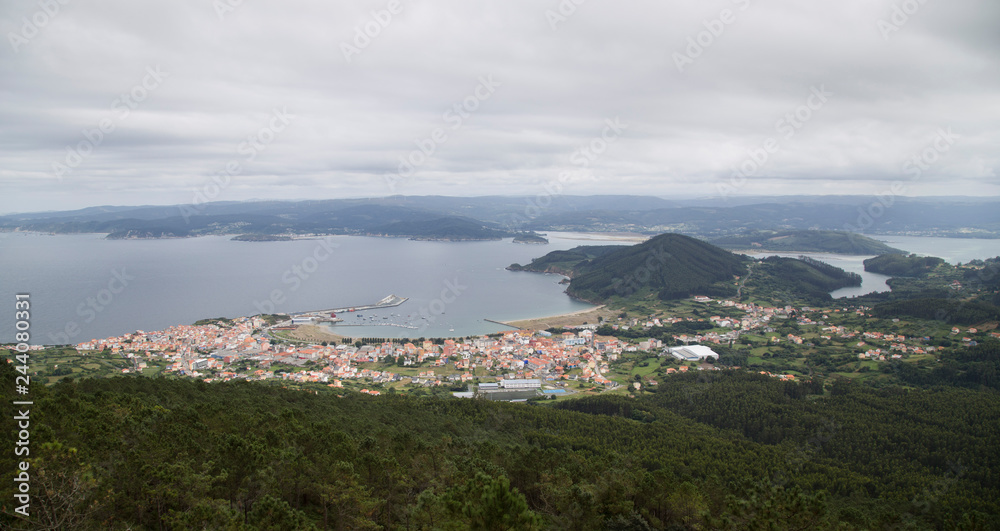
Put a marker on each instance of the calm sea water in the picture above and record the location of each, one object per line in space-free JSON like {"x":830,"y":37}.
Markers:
{"x":952,"y":250}
{"x":84,"y":287}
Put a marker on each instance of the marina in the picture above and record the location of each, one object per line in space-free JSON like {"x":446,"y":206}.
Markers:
{"x":330,"y":316}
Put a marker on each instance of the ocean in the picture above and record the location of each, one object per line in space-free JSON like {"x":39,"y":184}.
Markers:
{"x":84,"y":287}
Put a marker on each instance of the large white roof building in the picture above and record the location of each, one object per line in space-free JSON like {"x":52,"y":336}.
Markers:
{"x":693,"y":353}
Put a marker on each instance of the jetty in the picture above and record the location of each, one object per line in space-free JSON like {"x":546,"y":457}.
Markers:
{"x":387,"y":302}
{"x":328,"y":316}
{"x":503,"y":324}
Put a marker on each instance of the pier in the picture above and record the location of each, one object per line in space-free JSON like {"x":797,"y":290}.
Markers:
{"x":389,"y":301}
{"x":503,"y":324}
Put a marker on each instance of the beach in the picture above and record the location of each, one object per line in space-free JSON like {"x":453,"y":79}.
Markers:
{"x":588,"y":316}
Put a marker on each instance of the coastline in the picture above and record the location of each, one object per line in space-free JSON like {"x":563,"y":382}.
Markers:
{"x":555,"y":321}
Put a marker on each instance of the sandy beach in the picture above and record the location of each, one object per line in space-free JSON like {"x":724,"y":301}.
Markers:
{"x":589,"y":315}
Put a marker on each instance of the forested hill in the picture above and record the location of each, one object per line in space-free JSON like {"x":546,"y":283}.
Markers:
{"x":564,"y":262}
{"x":902,"y":265}
{"x":449,"y":228}
{"x":815,"y":241}
{"x":670,"y":265}
{"x":673,"y":266}
{"x":723,"y":451}
{"x":801,"y":278}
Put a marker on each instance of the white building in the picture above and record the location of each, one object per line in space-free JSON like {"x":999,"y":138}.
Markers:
{"x":693,"y":353}
{"x":521,"y":384}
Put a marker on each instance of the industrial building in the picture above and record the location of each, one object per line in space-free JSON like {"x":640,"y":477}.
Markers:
{"x":693,"y":353}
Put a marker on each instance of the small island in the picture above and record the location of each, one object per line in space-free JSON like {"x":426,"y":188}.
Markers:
{"x":262,"y":238}
{"x":530,"y":238}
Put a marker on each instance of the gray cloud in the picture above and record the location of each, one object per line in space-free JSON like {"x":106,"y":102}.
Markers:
{"x":354,"y":120}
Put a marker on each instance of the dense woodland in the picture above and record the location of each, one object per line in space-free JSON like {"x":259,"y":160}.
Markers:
{"x":902,"y":265}
{"x":816,"y":241}
{"x":723,"y":450}
{"x":799,"y":279}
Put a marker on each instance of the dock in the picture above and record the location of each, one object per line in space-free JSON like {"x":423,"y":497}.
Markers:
{"x":503,"y":324}
{"x":389,"y":301}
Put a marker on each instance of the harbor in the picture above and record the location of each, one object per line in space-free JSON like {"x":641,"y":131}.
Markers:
{"x":330,"y":316}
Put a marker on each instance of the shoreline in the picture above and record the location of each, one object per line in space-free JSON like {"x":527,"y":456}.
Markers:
{"x":532,"y":323}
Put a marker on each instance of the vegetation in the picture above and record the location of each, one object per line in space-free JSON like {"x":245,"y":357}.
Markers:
{"x":262,"y":238}
{"x":726,"y":451}
{"x":945,"y":310}
{"x":673,"y":266}
{"x":793,"y":279}
{"x":564,"y":262}
{"x":713,"y":219}
{"x":670,"y":265}
{"x":902,"y":265}
{"x":449,"y":228}
{"x":817,"y":241}
{"x":530,"y":237}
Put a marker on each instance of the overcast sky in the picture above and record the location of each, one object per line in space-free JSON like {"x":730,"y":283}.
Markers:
{"x":310,"y":99}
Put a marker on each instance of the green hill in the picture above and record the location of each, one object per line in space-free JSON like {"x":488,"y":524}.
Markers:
{"x":564,"y":262}
{"x":448,"y":228}
{"x":811,"y":241}
{"x":670,"y":265}
{"x":795,"y":278}
{"x":673,"y":266}
{"x":901,"y":265}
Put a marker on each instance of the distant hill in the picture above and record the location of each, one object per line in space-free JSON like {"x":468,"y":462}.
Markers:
{"x":814,"y":241}
{"x":901,"y":265}
{"x":705,"y":218}
{"x":670,"y":266}
{"x":530,"y":237}
{"x":449,"y":228}
{"x":564,"y":262}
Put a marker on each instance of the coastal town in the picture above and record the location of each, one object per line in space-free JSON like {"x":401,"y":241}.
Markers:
{"x":252,"y":348}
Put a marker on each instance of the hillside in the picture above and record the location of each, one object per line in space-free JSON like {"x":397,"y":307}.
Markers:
{"x":706,"y":218}
{"x":670,"y":265}
{"x":532,"y":238}
{"x":564,"y":262}
{"x":449,"y":228}
{"x":812,"y":241}
{"x":673,"y":266}
{"x":749,"y":452}
{"x":902,"y":265}
{"x":777,"y":278}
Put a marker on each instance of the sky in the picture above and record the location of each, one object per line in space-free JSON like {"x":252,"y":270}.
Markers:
{"x":111,"y":102}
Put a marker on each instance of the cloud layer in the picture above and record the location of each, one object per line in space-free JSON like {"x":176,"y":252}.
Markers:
{"x":115,"y":102}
